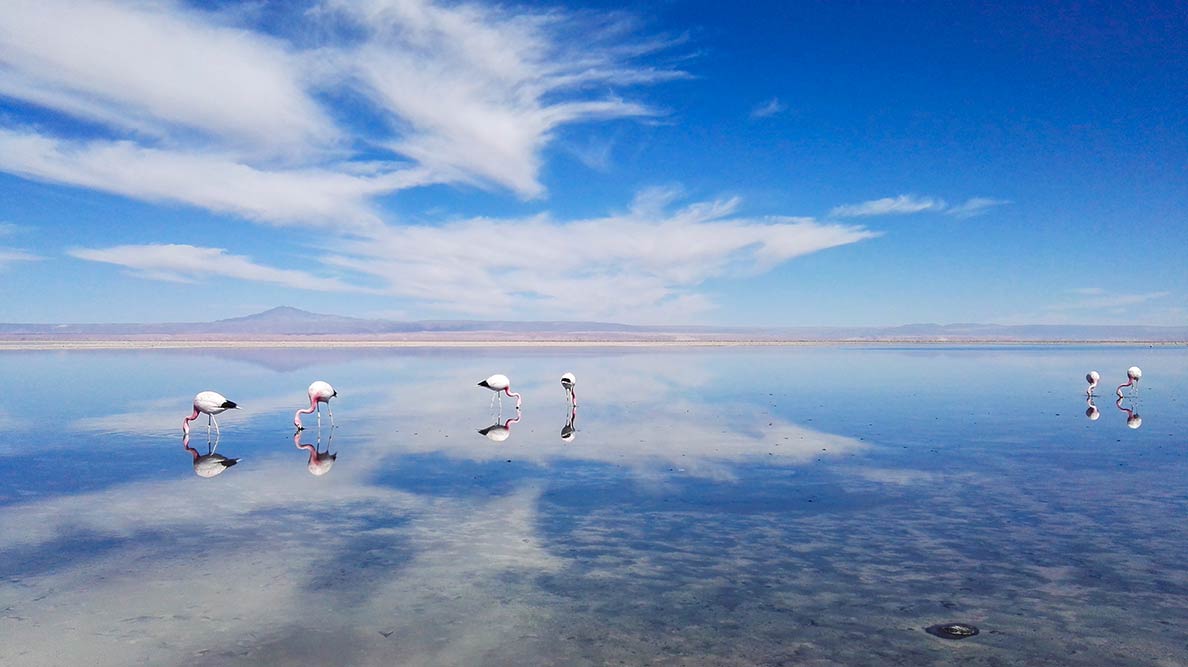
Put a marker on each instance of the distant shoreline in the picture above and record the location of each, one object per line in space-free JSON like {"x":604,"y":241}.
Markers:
{"x":381,"y":343}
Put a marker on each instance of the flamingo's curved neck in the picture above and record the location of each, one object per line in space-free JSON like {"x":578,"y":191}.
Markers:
{"x":313,"y":405}
{"x":513,"y":394}
{"x":1119,"y":389}
{"x":186,"y":423}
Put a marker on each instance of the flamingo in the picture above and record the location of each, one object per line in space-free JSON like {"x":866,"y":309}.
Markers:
{"x":499,"y":432}
{"x":567,"y":382}
{"x":210,"y":403}
{"x":319,"y":462}
{"x":209,"y":464}
{"x":1091,"y":412}
{"x":319,"y":392}
{"x":1092,"y":378}
{"x":1133,"y":420}
{"x":1133,"y":375}
{"x":499,"y":383}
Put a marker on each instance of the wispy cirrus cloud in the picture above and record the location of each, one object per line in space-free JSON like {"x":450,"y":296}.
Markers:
{"x":907,"y":204}
{"x":769,"y":108}
{"x":974,"y":206}
{"x":888,"y":206}
{"x":1095,"y":298}
{"x":9,"y":255}
{"x":187,"y":263}
{"x":198,"y":108}
{"x":622,"y":266}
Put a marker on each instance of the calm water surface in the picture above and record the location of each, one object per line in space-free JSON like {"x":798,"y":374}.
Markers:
{"x":735,"y":506}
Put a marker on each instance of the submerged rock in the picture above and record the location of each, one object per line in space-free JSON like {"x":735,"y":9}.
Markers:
{"x":952,"y":630}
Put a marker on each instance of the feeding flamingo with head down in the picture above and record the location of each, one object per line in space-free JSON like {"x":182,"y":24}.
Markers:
{"x":499,"y":383}
{"x":209,"y":403}
{"x":319,"y":392}
{"x":1133,"y":375}
{"x":568,"y":381}
{"x":1092,"y":378}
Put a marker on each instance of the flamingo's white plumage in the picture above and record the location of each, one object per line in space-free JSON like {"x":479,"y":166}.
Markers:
{"x":499,"y":383}
{"x":568,"y":382}
{"x":209,"y":403}
{"x":319,"y":392}
{"x":1133,"y":375}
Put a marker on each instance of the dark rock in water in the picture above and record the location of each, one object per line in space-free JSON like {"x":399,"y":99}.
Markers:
{"x":952,"y":630}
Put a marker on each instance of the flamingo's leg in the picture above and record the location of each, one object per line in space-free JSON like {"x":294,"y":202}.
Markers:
{"x":318,"y":408}
{"x":218,"y":434}
{"x":331,"y":411}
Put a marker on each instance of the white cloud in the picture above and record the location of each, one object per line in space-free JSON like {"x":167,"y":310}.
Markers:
{"x":187,"y":263}
{"x":769,"y":108}
{"x":905,"y":204}
{"x":158,"y":68}
{"x":644,"y":264}
{"x":11,"y":255}
{"x":974,"y":206}
{"x":888,"y":206}
{"x":218,"y":182}
{"x":1100,"y":299}
{"x":201,"y":108}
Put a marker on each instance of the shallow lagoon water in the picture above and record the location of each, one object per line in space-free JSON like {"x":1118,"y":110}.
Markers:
{"x":725,"y":506}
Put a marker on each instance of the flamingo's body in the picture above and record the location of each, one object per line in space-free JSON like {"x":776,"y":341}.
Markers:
{"x":319,"y":392}
{"x":209,"y":464}
{"x":1133,"y":375}
{"x":319,"y":462}
{"x":209,"y":403}
{"x":499,"y":383}
{"x":1093,"y":377}
{"x":568,"y":381}
{"x":499,"y":432}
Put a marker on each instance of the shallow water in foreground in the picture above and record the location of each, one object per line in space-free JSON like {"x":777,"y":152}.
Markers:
{"x":733,"y":506}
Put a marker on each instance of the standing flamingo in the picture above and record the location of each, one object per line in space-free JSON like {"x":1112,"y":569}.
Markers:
{"x":319,"y":462}
{"x":210,"y":463}
{"x":210,"y":403}
{"x":1133,"y":375}
{"x":1092,"y":378}
{"x":567,"y":382}
{"x":319,"y":392}
{"x":499,"y":383}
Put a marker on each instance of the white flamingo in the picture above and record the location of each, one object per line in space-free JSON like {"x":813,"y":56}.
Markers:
{"x":499,"y":383}
{"x":1133,"y":375}
{"x":209,"y":403}
{"x":1093,"y":377}
{"x":319,"y":392}
{"x":568,"y":381}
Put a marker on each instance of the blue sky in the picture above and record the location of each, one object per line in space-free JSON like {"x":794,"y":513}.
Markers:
{"x":785,"y":163}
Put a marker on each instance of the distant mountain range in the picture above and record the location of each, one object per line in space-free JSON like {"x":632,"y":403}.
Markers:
{"x":293,"y":322}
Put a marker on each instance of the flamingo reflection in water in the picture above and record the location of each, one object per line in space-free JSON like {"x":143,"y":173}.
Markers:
{"x":210,"y":463}
{"x":1091,"y":412}
{"x":569,"y":431}
{"x":500,"y":431}
{"x":319,"y":462}
{"x":1133,"y":420}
